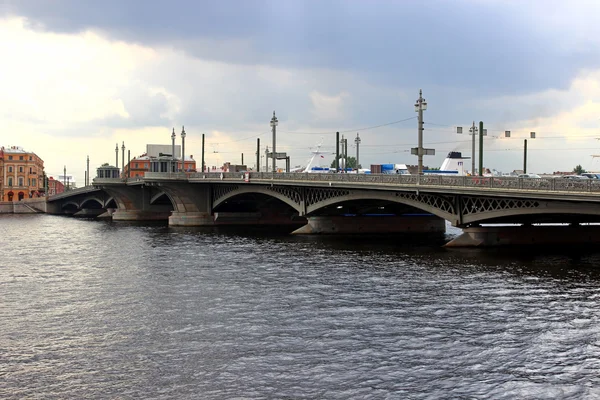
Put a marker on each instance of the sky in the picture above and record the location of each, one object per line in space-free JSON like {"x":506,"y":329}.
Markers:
{"x":79,"y":76}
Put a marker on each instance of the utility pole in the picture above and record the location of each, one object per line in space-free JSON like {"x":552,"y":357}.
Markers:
{"x":257,"y":154}
{"x":473,"y":131}
{"x":274,"y":124}
{"x":420,"y":106}
{"x":203,"y":153}
{"x":343,"y":166}
{"x":123,"y":158}
{"x":482,"y":132}
{"x":266,"y":158}
{"x":525,"y":156}
{"x":173,"y":136}
{"x":337,"y":152}
{"x":357,"y":142}
{"x":345,"y":154}
{"x":183,"y":149}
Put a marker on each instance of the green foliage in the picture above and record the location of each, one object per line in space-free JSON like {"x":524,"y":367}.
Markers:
{"x":350,"y":163}
{"x":579,"y":170}
{"x":105,"y":164}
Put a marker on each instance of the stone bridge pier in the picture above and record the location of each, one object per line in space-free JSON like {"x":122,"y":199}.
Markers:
{"x":137,"y":203}
{"x":192,"y":204}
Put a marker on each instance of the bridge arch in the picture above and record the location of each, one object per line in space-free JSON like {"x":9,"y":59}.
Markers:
{"x":437,"y":205}
{"x":92,"y":199}
{"x":289,"y":196}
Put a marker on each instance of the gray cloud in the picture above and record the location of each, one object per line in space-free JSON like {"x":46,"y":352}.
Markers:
{"x":495,"y":47}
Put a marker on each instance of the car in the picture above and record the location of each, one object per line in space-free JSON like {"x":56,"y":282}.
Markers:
{"x":574,"y":177}
{"x":528,"y":176}
{"x":591,"y":175}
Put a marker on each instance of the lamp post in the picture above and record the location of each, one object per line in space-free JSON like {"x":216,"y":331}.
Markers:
{"x":117,"y":155}
{"x":88,"y":171}
{"x":473,"y":131}
{"x":183,"y":149}
{"x":172,"y":149}
{"x":123,"y":158}
{"x":203,"y":153}
{"x":420,"y":106}
{"x":274,"y":123}
{"x":357,"y":142}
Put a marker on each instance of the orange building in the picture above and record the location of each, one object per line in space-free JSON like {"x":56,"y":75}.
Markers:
{"x":21,"y":174}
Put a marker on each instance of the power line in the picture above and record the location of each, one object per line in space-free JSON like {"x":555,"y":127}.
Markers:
{"x":350,"y":130}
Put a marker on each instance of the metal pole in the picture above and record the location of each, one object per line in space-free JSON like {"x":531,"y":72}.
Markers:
{"x":473,"y":132}
{"x":258,"y":155}
{"x":525,"y":156}
{"x":123,"y":159}
{"x":65,"y":172}
{"x":480,"y":148}
{"x":172,"y":151}
{"x":337,"y":151}
{"x":274,"y":127}
{"x":183,"y":149}
{"x":357,"y":141}
{"x":203,"y":152}
{"x":242,"y":158}
{"x":266,"y":158}
{"x":420,"y":144}
{"x":88,"y":170}
{"x":129,"y":163}
{"x":117,"y":155}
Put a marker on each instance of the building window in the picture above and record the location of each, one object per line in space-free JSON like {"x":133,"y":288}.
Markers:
{"x":20,"y":181}
{"x":30,"y":158}
{"x":33,"y":182}
{"x":20,"y":157}
{"x":136,"y":165}
{"x":10,"y":157}
{"x":30,"y":170}
{"x":20,"y":169}
{"x":9,"y":181}
{"x":10,"y":169}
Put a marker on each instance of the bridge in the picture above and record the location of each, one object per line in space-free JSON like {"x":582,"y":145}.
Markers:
{"x":353,"y":203}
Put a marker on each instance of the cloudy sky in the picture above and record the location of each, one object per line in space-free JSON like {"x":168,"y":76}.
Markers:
{"x":79,"y":76}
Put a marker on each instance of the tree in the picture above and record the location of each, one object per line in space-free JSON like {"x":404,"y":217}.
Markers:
{"x":579,"y":170}
{"x":350,"y":163}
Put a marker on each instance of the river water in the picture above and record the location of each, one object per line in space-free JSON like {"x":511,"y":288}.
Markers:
{"x":101,"y":310}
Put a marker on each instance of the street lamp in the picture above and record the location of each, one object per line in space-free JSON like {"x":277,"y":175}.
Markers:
{"x":420,"y":106}
{"x":183,"y":149}
{"x":173,"y":136}
{"x":274,"y":123}
{"x":357,"y":142}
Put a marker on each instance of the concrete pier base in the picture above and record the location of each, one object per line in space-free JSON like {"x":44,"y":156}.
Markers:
{"x":138,"y":215}
{"x":487,"y":236}
{"x":191,"y":219}
{"x":372,"y":224}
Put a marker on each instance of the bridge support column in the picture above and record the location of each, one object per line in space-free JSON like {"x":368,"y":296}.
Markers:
{"x":488,"y":236}
{"x":372,"y":224}
{"x":140,"y":215}
{"x":191,"y":218}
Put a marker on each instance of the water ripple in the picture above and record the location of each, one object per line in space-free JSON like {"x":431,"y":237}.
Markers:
{"x":95,"y":310}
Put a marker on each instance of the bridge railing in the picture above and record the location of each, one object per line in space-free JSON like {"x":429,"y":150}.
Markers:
{"x":537,"y":184}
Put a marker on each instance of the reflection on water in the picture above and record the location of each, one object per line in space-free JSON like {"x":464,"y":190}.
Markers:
{"x":117,"y":310}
